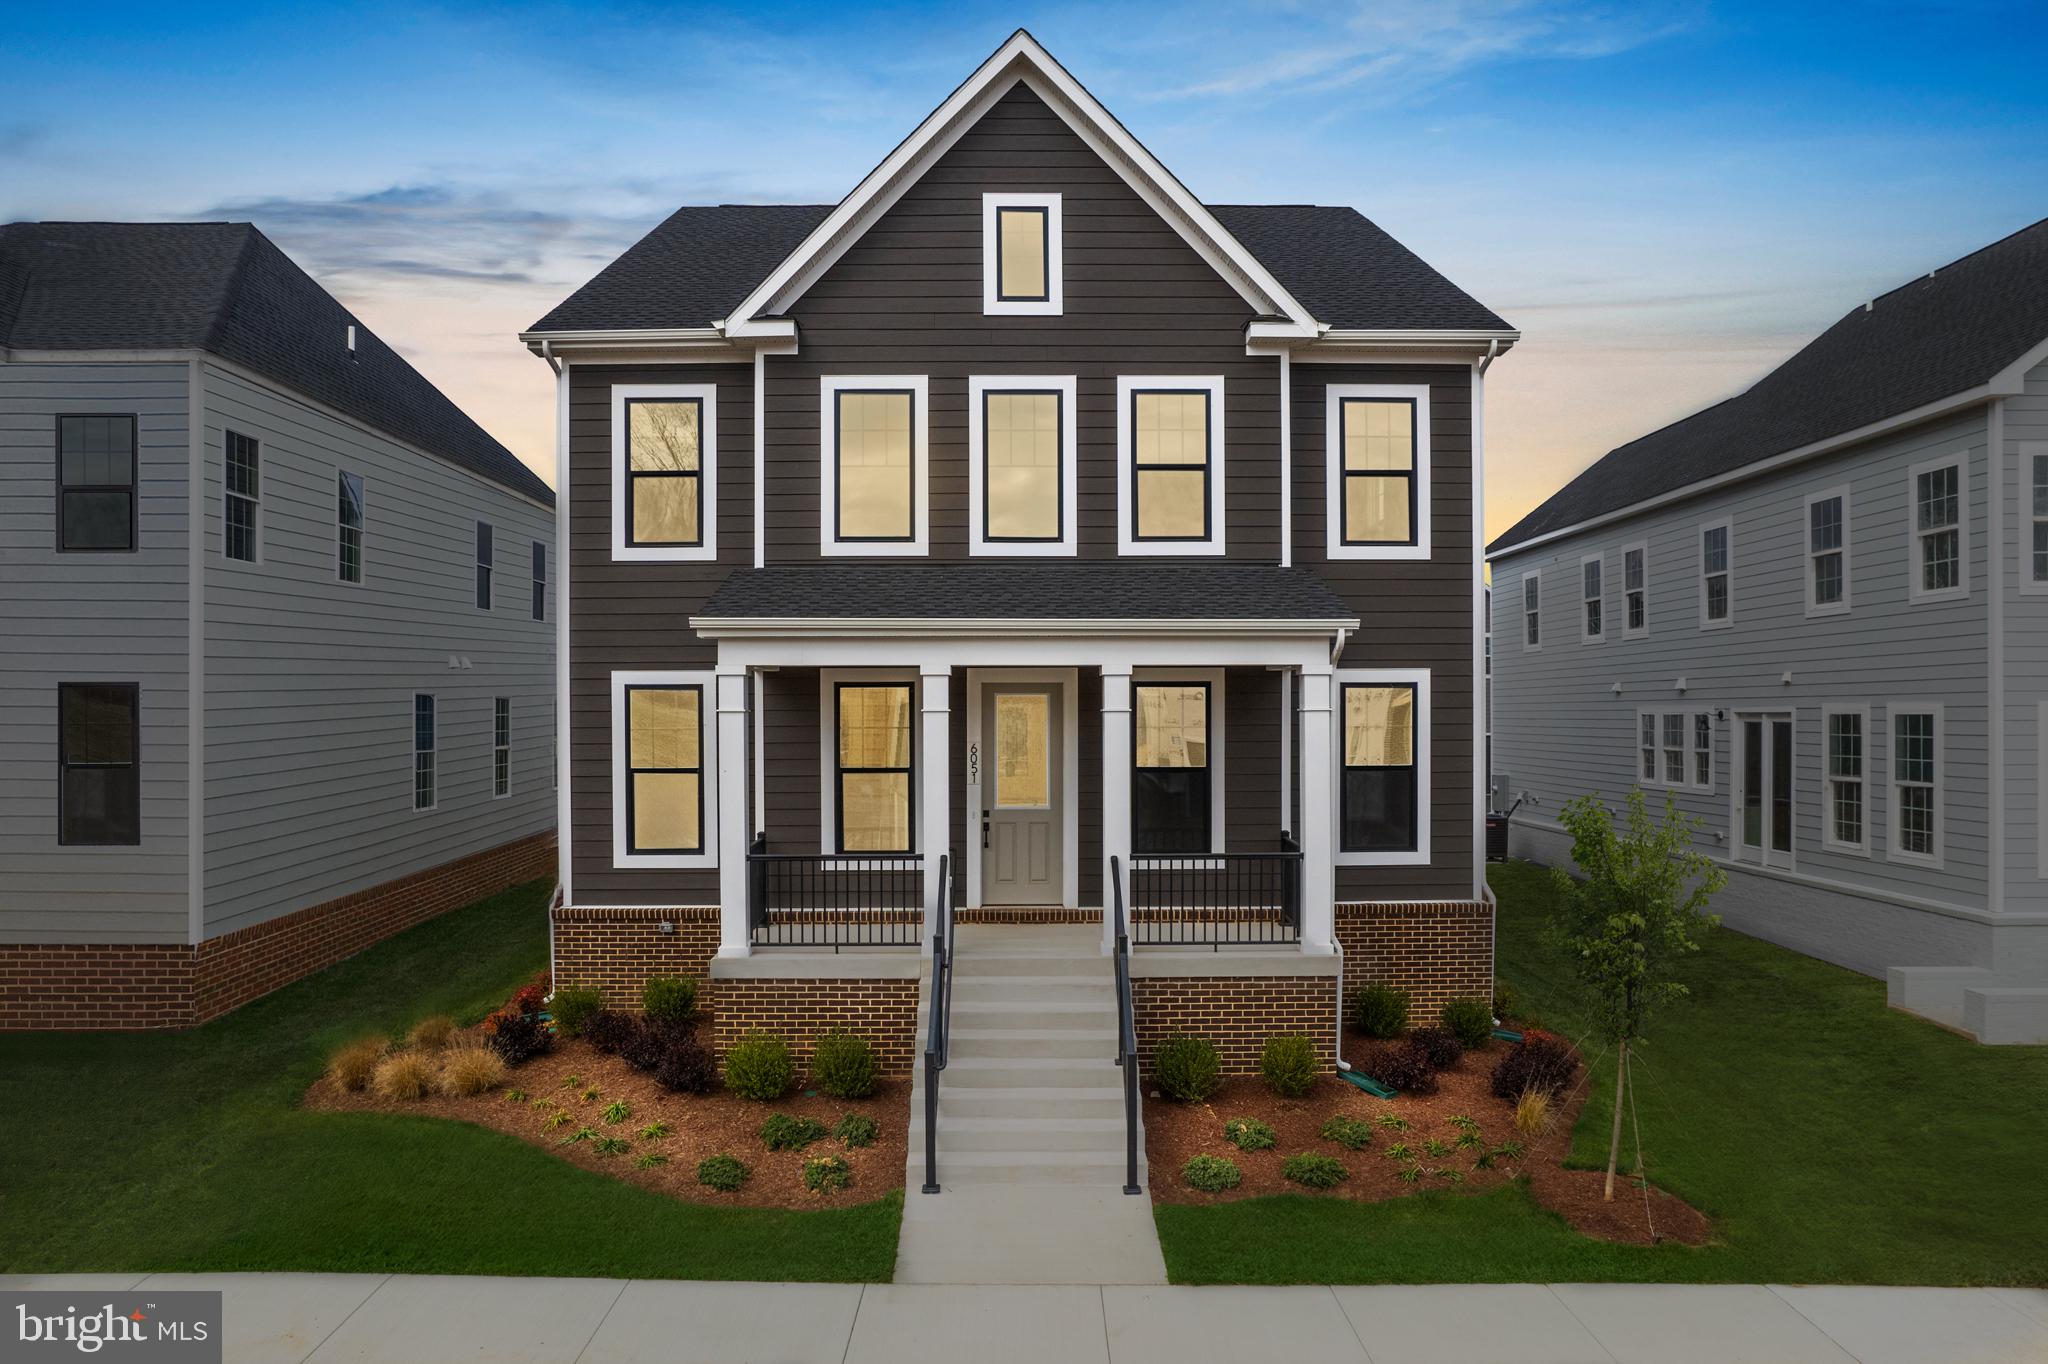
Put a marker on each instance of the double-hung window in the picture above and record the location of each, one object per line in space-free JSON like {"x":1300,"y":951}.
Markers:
{"x":1376,"y":471}
{"x":1020,"y":472}
{"x":1703,"y":750}
{"x":501,"y":746}
{"x":1717,"y":564}
{"x":1635,"y":591}
{"x":875,"y":466}
{"x":425,"y":774}
{"x":663,"y":752}
{"x":540,"y":581}
{"x":241,"y":506}
{"x":2037,"y":546}
{"x":1171,"y":789}
{"x":1383,"y":767}
{"x":1938,"y":545}
{"x":1170,"y":465}
{"x":1827,"y":552}
{"x":1916,"y":741}
{"x":1845,"y":821}
{"x":485,"y":554}
{"x":99,"y":796}
{"x":1532,"y":611}
{"x":1593,"y":623}
{"x":95,"y":483}
{"x":1021,"y":255}
{"x":349,"y":524}
{"x":1675,"y":749}
{"x":874,"y":785}
{"x":664,"y":462}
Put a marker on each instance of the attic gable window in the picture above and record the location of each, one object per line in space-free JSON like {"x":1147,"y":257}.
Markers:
{"x":1020,"y":253}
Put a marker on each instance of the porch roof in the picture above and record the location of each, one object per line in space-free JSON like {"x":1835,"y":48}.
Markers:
{"x":1091,"y":593}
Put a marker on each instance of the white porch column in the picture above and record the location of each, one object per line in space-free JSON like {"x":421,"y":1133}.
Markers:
{"x":1318,"y":813}
{"x":1116,"y":786}
{"x":936,"y":835}
{"x":729,"y":686}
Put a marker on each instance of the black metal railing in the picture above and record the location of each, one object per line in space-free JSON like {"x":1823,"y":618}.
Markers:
{"x":1220,"y":900}
{"x":1126,"y":1030}
{"x":939,"y":1027}
{"x":834,"y":900}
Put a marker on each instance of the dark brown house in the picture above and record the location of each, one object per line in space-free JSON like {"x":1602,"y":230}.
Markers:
{"x":1022,"y":515}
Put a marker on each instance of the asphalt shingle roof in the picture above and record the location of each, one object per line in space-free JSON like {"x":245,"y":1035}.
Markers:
{"x":1075,"y":590}
{"x":227,"y":289}
{"x":1935,"y":337}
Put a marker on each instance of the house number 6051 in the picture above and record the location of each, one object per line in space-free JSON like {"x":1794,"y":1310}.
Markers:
{"x":974,"y":762}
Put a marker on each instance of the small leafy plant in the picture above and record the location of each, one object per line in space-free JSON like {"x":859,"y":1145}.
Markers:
{"x":758,"y":1067}
{"x":654,"y":1131}
{"x":649,"y":1160}
{"x":827,"y":1174}
{"x":572,"y":1007}
{"x":1211,"y":1174}
{"x":1450,"y":1175}
{"x":722,"y":1172}
{"x":618,"y":1110}
{"x":856,"y":1129}
{"x":611,"y":1146}
{"x":686,"y":1068}
{"x":1248,"y":1134}
{"x":541,"y":1104}
{"x":558,"y":1118}
{"x":845,"y":1066}
{"x":515,"y":1096}
{"x":402,"y":1075}
{"x":518,"y":1037}
{"x":1469,"y":1141}
{"x":785,"y":1132}
{"x":1400,"y":1150}
{"x":1463,"y":1122}
{"x":1314,"y":1170}
{"x":1468,"y":1020}
{"x":1289,"y":1065}
{"x":611,"y":1031}
{"x":580,"y":1134}
{"x":1400,"y":1065}
{"x":1353,"y":1134}
{"x":572,"y":1082}
{"x":1434,"y":1149}
{"x":591,"y":1096}
{"x":1187,"y":1067}
{"x":432,"y":1034}
{"x":352,"y":1066}
{"x":1379,"y":1010}
{"x":1410,"y":1173}
{"x":1539,"y":1061}
{"x":470,"y":1069}
{"x":669,"y":999}
{"x":1393,"y":1122}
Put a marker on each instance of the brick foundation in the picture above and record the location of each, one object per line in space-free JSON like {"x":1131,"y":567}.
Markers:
{"x":1026,"y":914}
{"x":618,"y":949}
{"x":884,"y":1011}
{"x":1237,"y":1013}
{"x":50,"y":986}
{"x":1437,"y":951}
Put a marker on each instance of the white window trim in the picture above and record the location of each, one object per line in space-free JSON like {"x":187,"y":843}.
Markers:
{"x":1126,"y":525}
{"x":1522,"y":611}
{"x":362,"y":533}
{"x":707,"y":476}
{"x":1419,"y":678}
{"x":992,"y":304}
{"x":2041,"y":790}
{"x":1587,"y":635}
{"x":1699,"y":562}
{"x":1813,"y":606}
{"x":1828,"y":840}
{"x":227,"y":497}
{"x":829,"y":680}
{"x":1659,"y":782}
{"x":1766,"y":857}
{"x":1642,"y":631}
{"x":707,"y":766}
{"x":1961,"y":591}
{"x":978,"y":386}
{"x":1893,"y":709}
{"x":1333,"y":471}
{"x":505,"y":794}
{"x":412,"y":749}
{"x":1217,"y":745}
{"x":829,"y":389}
{"x":2029,"y":585}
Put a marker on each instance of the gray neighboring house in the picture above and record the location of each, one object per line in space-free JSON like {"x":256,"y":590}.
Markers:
{"x":1816,"y":615}
{"x":278,"y":670}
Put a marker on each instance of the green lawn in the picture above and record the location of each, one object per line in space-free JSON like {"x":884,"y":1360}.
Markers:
{"x":1833,"y":1141}
{"x":188,"y":1151}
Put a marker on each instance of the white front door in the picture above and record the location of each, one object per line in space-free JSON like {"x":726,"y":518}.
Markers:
{"x":1021,"y":791}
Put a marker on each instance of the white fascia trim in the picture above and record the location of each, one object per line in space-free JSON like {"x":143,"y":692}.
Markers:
{"x":919,"y":627}
{"x":977,"y":543}
{"x":1020,"y":58}
{"x":707,"y":767}
{"x":640,"y":337}
{"x":918,"y":545}
{"x":1828,"y":840}
{"x":1392,"y":336}
{"x":1892,"y":852}
{"x":1587,"y":635}
{"x":1333,"y":471}
{"x":707,"y":478}
{"x":1699,"y":559}
{"x":1961,"y":591}
{"x":1424,"y":815}
{"x":1126,"y":526}
{"x":828,"y":759}
{"x":992,"y":304}
{"x":1642,"y":631}
{"x":1219,"y":744}
{"x":1814,"y":608}
{"x":564,"y":827}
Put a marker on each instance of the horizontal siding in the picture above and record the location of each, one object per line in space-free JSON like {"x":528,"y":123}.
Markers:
{"x":2026,"y":657}
{"x":92,"y":617}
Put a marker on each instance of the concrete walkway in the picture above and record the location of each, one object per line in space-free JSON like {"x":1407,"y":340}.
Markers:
{"x":330,"y":1318}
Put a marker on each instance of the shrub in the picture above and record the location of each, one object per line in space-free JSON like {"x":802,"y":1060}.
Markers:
{"x":783,"y":1132}
{"x":650,"y":1041}
{"x":1211,"y":1174}
{"x":352,"y":1066}
{"x":1400,"y":1066}
{"x":517,"y":1038}
{"x":572,"y":1007}
{"x":1379,"y":1010}
{"x":669,"y":999}
{"x":1353,"y":1134}
{"x":758,"y":1067}
{"x":1532,"y":1112}
{"x":723,"y":1173}
{"x":472,"y":1070}
{"x":1187,"y":1067}
{"x":857,"y":1129}
{"x":432,"y":1034}
{"x":1504,"y":1000}
{"x":610,"y":1030}
{"x":844,"y":1066}
{"x":1289,"y":1065}
{"x":1248,"y":1134}
{"x":827,"y":1174}
{"x":1315,"y":1170}
{"x":686,"y":1067}
{"x":1539,"y":1061}
{"x":1468,"y":1020}
{"x":1438,"y":1049}
{"x":402,"y":1075}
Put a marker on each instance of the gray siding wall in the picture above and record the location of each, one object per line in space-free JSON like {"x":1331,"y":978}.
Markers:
{"x":91,"y":618}
{"x":2026,"y":655}
{"x":310,"y":681}
{"x":1560,"y":729}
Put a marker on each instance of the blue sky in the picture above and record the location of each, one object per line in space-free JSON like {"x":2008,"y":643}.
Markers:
{"x":1667,"y":198}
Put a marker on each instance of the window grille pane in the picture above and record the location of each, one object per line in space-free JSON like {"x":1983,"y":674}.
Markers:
{"x":874,"y":462}
{"x":1023,"y":756}
{"x":1376,"y":509}
{"x":1379,"y":434}
{"x":1021,"y":249}
{"x":1021,"y":450}
{"x":664,"y":437}
{"x":667,"y":813}
{"x":1172,"y":725}
{"x":1379,"y":726}
{"x":874,"y":726}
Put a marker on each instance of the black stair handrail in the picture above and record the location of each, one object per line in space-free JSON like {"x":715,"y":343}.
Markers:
{"x":1126,"y":1029}
{"x":939,"y":1027}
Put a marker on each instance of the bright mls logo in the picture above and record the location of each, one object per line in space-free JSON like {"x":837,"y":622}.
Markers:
{"x":172,"y":1328}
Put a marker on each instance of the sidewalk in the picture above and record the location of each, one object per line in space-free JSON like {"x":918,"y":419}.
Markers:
{"x":330,"y":1318}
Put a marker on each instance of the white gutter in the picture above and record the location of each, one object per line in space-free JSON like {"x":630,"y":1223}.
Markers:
{"x":922,"y":627}
{"x":1411,"y":336}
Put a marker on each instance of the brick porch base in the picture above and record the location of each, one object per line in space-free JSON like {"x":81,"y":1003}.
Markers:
{"x":1437,"y":951}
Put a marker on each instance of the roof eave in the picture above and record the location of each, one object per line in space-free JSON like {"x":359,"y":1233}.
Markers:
{"x":958,"y":627}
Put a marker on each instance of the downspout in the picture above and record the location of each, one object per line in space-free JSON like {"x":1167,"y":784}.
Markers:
{"x":547,"y":353}
{"x":1337,"y":645}
{"x":1492,"y":352}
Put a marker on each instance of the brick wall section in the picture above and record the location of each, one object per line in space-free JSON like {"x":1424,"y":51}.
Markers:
{"x":618,"y":949}
{"x":1437,"y":952}
{"x":174,"y":985}
{"x":1237,"y":1013}
{"x":1027,"y":914}
{"x":882,"y":1011}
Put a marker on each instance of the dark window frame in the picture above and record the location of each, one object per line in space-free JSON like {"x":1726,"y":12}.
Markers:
{"x":229,"y":497}
{"x":486,"y":560}
{"x":1413,"y":767}
{"x":1207,"y":803}
{"x":633,"y":476}
{"x":65,"y":766}
{"x":839,"y":396}
{"x":343,"y":480}
{"x":1345,"y":474}
{"x":1059,"y":469}
{"x":840,"y":770}
{"x":431,"y":751}
{"x":633,"y":848}
{"x":501,"y":747}
{"x":540,"y":580}
{"x":1207,"y":468}
{"x":133,"y":488}
{"x":1044,"y":212}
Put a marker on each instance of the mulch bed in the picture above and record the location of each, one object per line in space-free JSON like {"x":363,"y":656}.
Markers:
{"x":700,"y":1125}
{"x":1176,"y":1131}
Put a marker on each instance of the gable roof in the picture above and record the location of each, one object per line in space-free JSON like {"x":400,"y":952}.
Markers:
{"x":1943,"y":335}
{"x":226,"y":289}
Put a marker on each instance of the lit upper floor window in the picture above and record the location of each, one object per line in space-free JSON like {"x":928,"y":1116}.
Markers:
{"x":1021,"y":266}
{"x":1170,"y":465}
{"x":1377,"y":471}
{"x":664,"y":467}
{"x":1020,"y":471}
{"x":873,"y":460}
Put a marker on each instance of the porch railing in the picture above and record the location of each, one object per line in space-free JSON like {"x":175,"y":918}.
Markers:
{"x":1220,"y":900}
{"x":836,"y":900}
{"x":939,"y":1027}
{"x":1126,"y":1029}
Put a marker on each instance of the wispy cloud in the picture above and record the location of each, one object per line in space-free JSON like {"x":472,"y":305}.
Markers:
{"x":20,"y":139}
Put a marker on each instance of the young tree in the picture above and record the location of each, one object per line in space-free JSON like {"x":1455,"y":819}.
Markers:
{"x":1639,"y":908}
